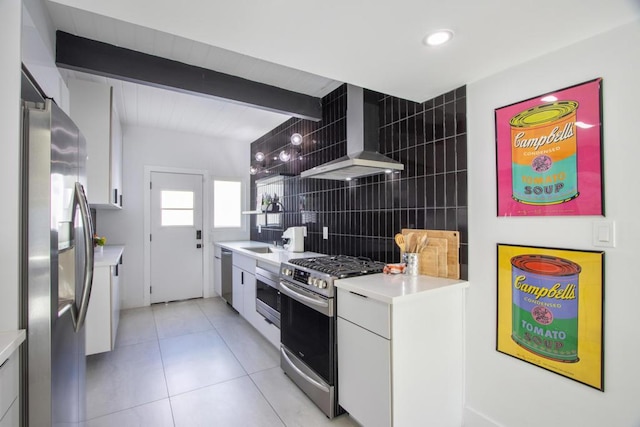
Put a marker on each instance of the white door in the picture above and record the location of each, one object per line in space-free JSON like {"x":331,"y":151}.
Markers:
{"x":176,"y":236}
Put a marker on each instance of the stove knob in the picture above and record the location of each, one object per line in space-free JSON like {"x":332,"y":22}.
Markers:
{"x":310,"y":281}
{"x":315,"y":282}
{"x":287,"y":272}
{"x":322,"y":284}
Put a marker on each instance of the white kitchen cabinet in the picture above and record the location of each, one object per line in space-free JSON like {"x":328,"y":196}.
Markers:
{"x":400,"y":361}
{"x":244,"y":283}
{"x":9,"y":373}
{"x":12,"y":417}
{"x":93,"y":111}
{"x":244,"y":297}
{"x":103,"y":314}
{"x":9,"y":390}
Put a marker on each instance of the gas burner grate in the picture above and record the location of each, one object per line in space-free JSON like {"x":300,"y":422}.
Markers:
{"x":340,"y":266}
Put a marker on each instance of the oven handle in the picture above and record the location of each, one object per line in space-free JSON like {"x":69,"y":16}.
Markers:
{"x":322,"y":305}
{"x":319,"y":385}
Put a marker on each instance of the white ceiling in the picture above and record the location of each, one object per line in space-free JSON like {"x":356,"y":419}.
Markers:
{"x":311,"y":47}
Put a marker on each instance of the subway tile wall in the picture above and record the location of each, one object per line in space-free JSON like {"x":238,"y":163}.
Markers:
{"x":363,"y":215}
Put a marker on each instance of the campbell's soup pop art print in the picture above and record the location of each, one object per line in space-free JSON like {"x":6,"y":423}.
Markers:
{"x":549,"y":153}
{"x":544,"y":152}
{"x":545,"y":306}
{"x":550,"y":310}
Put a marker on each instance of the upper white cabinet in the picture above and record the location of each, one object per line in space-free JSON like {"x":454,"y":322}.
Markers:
{"x":92,"y":109}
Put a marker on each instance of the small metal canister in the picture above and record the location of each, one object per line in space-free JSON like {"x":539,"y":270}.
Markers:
{"x":412,"y":261}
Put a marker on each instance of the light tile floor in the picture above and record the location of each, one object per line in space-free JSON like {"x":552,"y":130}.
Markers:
{"x":194,"y":363}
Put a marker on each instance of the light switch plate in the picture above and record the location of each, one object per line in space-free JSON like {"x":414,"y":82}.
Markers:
{"x":604,"y":234}
{"x":325,"y":233}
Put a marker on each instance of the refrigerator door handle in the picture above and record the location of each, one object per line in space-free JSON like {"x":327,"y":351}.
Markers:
{"x":87,"y":227}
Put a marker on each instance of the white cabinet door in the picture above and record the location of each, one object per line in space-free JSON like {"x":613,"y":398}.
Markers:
{"x":98,"y":320}
{"x":116,"y":159}
{"x":8,"y":386}
{"x":364,"y":382}
{"x":12,"y":417}
{"x":249,"y":297}
{"x":103,"y":314}
{"x":238,"y":289}
{"x":92,"y":109}
{"x":116,"y":285}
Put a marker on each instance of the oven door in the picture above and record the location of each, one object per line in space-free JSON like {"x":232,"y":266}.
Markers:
{"x":307,"y":333}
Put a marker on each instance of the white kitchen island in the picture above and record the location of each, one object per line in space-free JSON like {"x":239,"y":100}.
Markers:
{"x":400,"y":349}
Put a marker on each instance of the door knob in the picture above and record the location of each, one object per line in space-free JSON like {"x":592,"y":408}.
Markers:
{"x":198,"y":246}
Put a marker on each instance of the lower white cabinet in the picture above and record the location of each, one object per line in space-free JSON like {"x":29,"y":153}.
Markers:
{"x":244,"y":283}
{"x":12,"y":417}
{"x":400,"y":363}
{"x":9,"y":392}
{"x":365,"y":382}
{"x":103,"y":314}
{"x":244,"y":287}
{"x":244,"y":297}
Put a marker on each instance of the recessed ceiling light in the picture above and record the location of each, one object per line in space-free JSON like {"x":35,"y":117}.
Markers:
{"x":439,"y":37}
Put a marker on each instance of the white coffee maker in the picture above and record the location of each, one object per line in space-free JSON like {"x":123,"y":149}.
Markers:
{"x":293,"y":239}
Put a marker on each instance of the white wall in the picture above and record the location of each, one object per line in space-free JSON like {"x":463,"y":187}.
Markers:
{"x":10,"y":28}
{"x":154,"y":147}
{"x":38,"y":52}
{"x":501,"y":390}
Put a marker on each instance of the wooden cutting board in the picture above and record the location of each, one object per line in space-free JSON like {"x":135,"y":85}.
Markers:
{"x":453,"y":248}
{"x":442,"y":246}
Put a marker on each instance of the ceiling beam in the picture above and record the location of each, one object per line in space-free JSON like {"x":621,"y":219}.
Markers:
{"x":90,"y":56}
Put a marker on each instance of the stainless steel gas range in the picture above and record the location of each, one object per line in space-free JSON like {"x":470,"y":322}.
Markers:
{"x":308,"y":353}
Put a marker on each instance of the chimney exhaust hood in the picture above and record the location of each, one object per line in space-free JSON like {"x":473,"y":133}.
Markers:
{"x":363,"y":158}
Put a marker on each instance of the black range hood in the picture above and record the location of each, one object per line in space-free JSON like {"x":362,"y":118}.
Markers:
{"x":363,"y":158}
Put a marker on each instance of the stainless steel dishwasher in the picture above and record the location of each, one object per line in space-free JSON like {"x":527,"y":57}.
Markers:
{"x":227,"y":275}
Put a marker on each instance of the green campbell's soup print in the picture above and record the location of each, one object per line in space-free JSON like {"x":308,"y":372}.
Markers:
{"x":545,"y":306}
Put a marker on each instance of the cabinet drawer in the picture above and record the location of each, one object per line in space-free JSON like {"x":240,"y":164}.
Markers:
{"x":372,"y":315}
{"x":244,"y":262}
{"x":8,"y":383}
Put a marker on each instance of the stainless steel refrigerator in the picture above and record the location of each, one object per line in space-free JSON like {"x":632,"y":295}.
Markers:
{"x":57,"y":263}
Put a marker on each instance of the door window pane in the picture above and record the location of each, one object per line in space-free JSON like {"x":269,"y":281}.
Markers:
{"x":176,"y":208}
{"x":175,"y":217}
{"x":177,"y":199}
{"x":227,"y":204}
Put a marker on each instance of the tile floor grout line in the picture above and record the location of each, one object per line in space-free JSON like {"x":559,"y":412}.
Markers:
{"x":126,"y":409}
{"x":164,"y":370}
{"x":267,"y":400}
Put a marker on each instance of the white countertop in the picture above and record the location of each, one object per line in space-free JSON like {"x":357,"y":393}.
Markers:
{"x":391,"y":288}
{"x":277,"y":255}
{"x":9,"y":342}
{"x":109,"y":256}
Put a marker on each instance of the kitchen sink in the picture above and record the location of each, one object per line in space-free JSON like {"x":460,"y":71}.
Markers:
{"x":260,"y":250}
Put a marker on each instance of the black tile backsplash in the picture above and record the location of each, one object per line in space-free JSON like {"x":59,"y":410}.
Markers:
{"x":363,"y":215}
